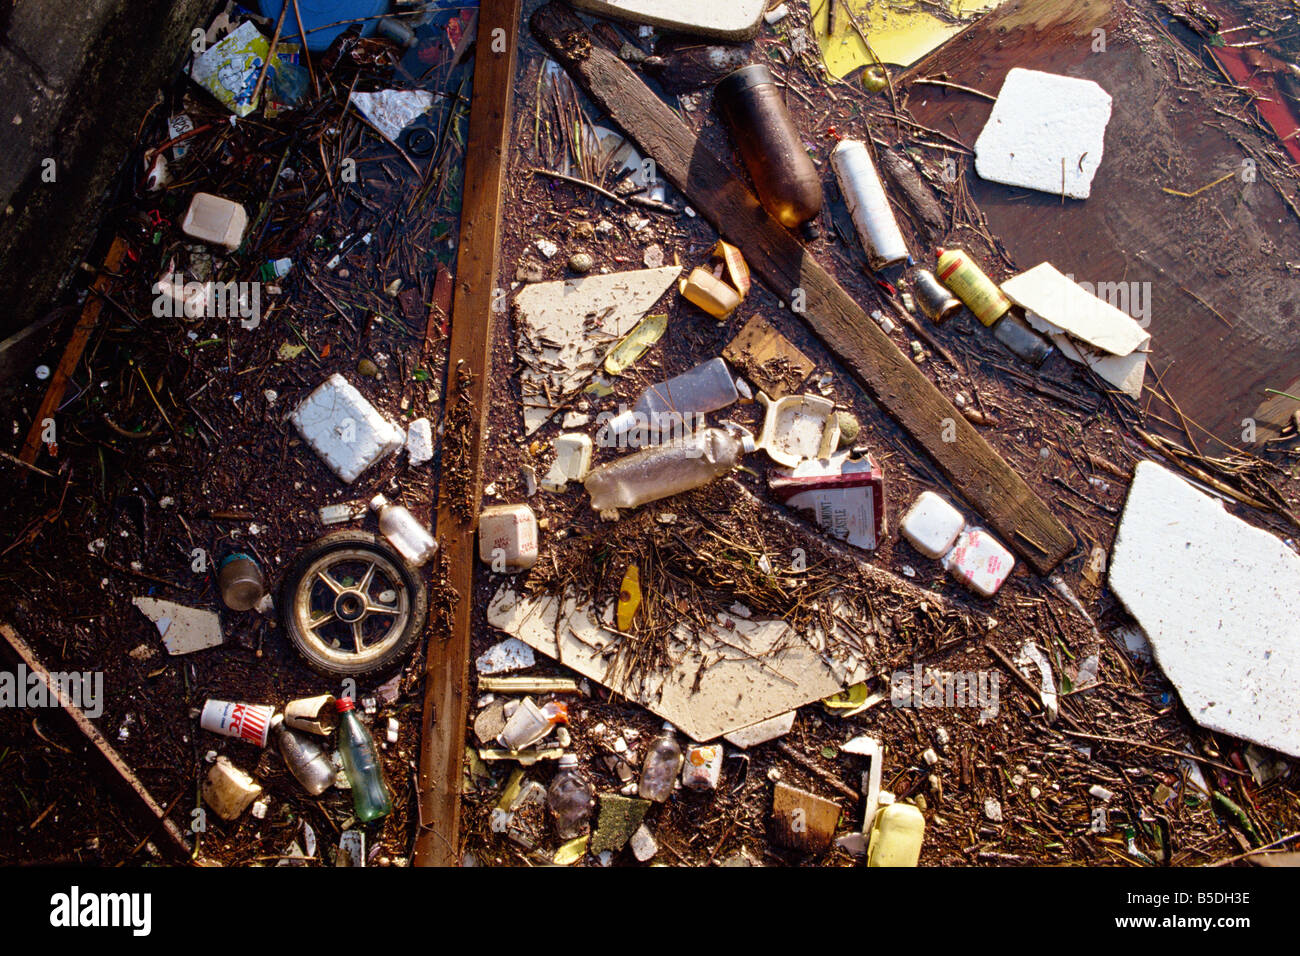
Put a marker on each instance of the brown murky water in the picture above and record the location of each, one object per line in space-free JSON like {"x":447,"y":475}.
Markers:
{"x":1214,"y":277}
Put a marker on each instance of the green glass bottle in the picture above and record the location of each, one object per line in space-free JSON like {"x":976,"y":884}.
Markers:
{"x":370,"y":797}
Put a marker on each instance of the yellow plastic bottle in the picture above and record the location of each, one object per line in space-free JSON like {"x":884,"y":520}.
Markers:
{"x":896,"y":836}
{"x":971,"y":285}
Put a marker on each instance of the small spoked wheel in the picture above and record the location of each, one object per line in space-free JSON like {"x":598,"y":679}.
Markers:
{"x":351,"y":605}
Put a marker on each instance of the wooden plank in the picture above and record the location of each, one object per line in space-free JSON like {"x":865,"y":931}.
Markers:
{"x":149,"y":809}
{"x":72,"y":351}
{"x":997,"y":492}
{"x":460,"y":489}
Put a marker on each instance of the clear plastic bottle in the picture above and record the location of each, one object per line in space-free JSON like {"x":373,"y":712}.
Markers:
{"x":705,"y":388}
{"x":662,"y":762}
{"x":370,"y":799}
{"x":403,"y":531}
{"x":570,"y":799}
{"x":661,"y":471}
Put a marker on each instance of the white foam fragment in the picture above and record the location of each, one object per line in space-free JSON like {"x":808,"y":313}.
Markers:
{"x":343,"y":428}
{"x":643,"y":844}
{"x":1074,"y":310}
{"x":1219,"y":601}
{"x":572,"y":459}
{"x":509,"y":655}
{"x":1046,"y":132}
{"x":566,"y":327}
{"x":391,"y":111}
{"x":183,"y":629}
{"x":419,"y":441}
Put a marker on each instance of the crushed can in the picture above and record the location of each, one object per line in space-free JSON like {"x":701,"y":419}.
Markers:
{"x":935,"y":300}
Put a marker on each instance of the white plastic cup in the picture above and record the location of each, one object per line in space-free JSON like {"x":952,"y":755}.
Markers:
{"x":250,"y":722}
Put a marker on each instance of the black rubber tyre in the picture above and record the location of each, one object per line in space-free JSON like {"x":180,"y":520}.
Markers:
{"x":351,"y":605}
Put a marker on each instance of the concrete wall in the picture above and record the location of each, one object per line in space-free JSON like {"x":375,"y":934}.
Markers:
{"x":75,"y":81}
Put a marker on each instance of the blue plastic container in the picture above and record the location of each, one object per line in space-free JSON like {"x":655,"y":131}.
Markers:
{"x":320,"y":13}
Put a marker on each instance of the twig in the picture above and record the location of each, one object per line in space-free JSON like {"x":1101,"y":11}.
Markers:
{"x":1176,"y":192}
{"x":579,"y":182}
{"x":928,"y":81}
{"x":270,"y":53}
{"x":1186,"y":755}
{"x":18,"y":461}
{"x":302,"y":34}
{"x":812,"y":768}
{"x":1258,"y":849}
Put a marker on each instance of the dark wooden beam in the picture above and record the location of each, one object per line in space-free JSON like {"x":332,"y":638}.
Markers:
{"x":72,"y":352}
{"x":983,"y":478}
{"x":129,"y":784}
{"x":465,"y":415}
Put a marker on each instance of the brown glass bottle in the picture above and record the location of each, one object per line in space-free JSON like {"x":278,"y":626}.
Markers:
{"x":784,"y":176}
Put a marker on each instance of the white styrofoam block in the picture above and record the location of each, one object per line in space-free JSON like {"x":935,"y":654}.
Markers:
{"x":216,"y":220}
{"x":979,"y":561}
{"x":931,"y":525}
{"x":1046,"y":132}
{"x":343,"y":428}
{"x":1219,"y":601}
{"x":419,"y":441}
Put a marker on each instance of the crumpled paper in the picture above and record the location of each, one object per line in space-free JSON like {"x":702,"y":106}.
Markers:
{"x":391,"y":111}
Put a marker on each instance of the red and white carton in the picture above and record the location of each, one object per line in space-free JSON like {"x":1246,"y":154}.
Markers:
{"x":845,"y":493}
{"x":979,"y":561}
{"x":702,"y":766}
{"x":251,"y":722}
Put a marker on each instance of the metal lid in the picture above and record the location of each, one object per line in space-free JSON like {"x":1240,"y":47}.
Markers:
{"x":746,"y":78}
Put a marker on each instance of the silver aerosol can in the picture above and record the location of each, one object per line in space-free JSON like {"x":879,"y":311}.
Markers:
{"x":306,"y":758}
{"x":865,"y":196}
